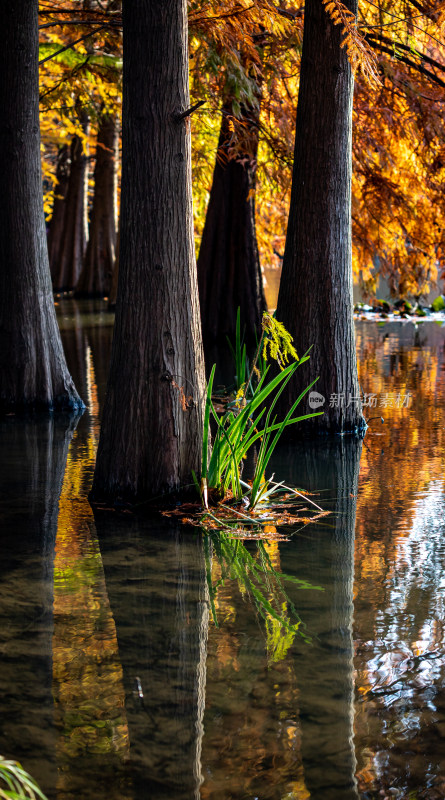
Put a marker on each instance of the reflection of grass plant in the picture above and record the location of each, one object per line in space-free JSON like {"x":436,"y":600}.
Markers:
{"x":17,"y":783}
{"x":262,"y":583}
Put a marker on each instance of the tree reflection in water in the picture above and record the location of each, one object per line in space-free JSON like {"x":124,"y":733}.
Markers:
{"x":33,"y":454}
{"x":156,"y":583}
{"x":88,"y":702}
{"x":324,"y":669}
{"x":286,"y":728}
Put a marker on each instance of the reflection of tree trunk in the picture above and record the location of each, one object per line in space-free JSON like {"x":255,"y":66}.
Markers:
{"x":229,"y":272}
{"x":32,"y":462}
{"x":99,"y":341}
{"x":325,"y":667}
{"x":55,"y":234}
{"x":92,"y":745}
{"x":162,"y":634}
{"x":67,"y":271}
{"x":74,"y":342}
{"x":95,"y":278}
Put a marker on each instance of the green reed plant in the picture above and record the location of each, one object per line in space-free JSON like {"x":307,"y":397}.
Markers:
{"x":275,"y":340}
{"x":16,"y":783}
{"x":239,"y":353}
{"x":238,"y":429}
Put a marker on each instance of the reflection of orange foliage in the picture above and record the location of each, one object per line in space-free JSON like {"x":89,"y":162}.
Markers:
{"x":399,"y":457}
{"x":226,"y":645}
{"x":87,"y":674}
{"x":93,"y":400}
{"x":407,"y":451}
{"x":401,"y":472}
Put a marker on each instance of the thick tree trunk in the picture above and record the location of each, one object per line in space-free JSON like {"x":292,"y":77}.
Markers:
{"x":72,"y":253}
{"x":55,"y":234}
{"x":315,"y":298}
{"x":95,"y":278}
{"x":152,"y":423}
{"x":229,"y":273}
{"x":33,"y":370}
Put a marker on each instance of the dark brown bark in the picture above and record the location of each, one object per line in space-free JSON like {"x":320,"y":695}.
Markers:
{"x":152,"y":423}
{"x":66,"y":272}
{"x":95,"y":278}
{"x":229,"y":273}
{"x":115,"y":277}
{"x":315,"y":298}
{"x":55,"y":234}
{"x":33,"y":370}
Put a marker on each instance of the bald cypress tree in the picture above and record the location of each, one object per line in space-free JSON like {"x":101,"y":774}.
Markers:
{"x":152,"y":422}
{"x":229,"y":273}
{"x":33,"y":371}
{"x":315,"y":298}
{"x":97,"y":270}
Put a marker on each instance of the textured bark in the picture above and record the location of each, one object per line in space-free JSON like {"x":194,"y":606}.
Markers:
{"x":115,"y":277}
{"x":55,"y":234}
{"x":315,"y":298}
{"x":33,"y":370}
{"x":66,"y":272}
{"x":229,"y":273}
{"x":152,"y":423}
{"x":95,"y":278}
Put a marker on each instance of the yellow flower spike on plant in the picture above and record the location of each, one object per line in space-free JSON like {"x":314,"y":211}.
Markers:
{"x":278,"y":341}
{"x":240,"y":400}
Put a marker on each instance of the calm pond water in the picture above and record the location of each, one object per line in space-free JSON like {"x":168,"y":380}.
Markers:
{"x":115,"y":681}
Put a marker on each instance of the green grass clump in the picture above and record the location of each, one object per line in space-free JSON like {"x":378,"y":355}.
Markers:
{"x":249,"y":419}
{"x":16,"y":783}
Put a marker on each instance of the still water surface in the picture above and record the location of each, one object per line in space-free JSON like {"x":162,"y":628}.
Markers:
{"x":115,"y":681}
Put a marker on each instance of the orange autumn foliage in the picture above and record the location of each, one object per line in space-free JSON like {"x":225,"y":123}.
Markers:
{"x":251,"y":52}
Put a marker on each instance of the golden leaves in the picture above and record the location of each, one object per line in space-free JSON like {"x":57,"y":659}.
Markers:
{"x":360,"y":54}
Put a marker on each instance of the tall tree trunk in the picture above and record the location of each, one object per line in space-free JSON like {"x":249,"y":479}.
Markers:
{"x":229,"y":273}
{"x":55,"y":234}
{"x":73,"y":248}
{"x":33,"y":370}
{"x":95,"y":278}
{"x":315,"y":298}
{"x":152,"y":424}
